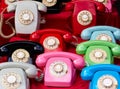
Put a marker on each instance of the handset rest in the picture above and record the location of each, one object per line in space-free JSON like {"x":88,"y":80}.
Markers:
{"x":29,"y":69}
{"x":35,"y":36}
{"x":88,"y":72}
{"x":41,"y":7}
{"x":33,"y":46}
{"x":82,"y":47}
{"x":78,"y":61}
{"x":86,"y":33}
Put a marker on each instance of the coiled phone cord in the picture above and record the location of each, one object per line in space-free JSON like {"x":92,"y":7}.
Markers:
{"x":6,"y":22}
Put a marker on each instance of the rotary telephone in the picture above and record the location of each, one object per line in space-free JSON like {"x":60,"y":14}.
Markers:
{"x":102,"y":76}
{"x":21,"y":51}
{"x":60,"y":67}
{"x":85,"y":14}
{"x":53,"y":6}
{"x":27,"y":18}
{"x":16,"y":75}
{"x":98,"y":52}
{"x":53,"y":39}
{"x":106,"y":33}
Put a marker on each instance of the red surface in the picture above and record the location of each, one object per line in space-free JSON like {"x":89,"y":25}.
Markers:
{"x":62,"y":21}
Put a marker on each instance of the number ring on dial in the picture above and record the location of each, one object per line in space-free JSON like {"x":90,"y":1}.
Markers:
{"x":49,"y":3}
{"x":26,"y":17}
{"x":107,"y":82}
{"x":20,"y":55}
{"x":97,"y":55}
{"x":84,"y":17}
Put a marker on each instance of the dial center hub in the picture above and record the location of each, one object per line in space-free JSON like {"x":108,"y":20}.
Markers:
{"x":85,"y":18}
{"x":104,"y":38}
{"x":51,"y":42}
{"x":20,"y":55}
{"x":26,"y":17}
{"x":58,"y":68}
{"x":107,"y":82}
{"x":98,"y":54}
{"x":11,"y":79}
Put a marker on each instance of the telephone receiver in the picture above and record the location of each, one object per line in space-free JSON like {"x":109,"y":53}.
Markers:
{"x":108,"y":33}
{"x":27,"y":16}
{"x":21,"y":51}
{"x":53,"y":39}
{"x":77,"y":60}
{"x":85,"y":14}
{"x":107,"y":3}
{"x":16,"y":75}
{"x":40,"y":6}
{"x":59,"y":65}
{"x":82,"y":47}
{"x":30,"y":69}
{"x":98,"y":74}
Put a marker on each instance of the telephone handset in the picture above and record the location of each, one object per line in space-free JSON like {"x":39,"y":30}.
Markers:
{"x":107,"y":3}
{"x":15,"y":75}
{"x":21,"y":51}
{"x":27,"y":18}
{"x":53,"y":39}
{"x":53,"y":6}
{"x":60,"y":67}
{"x":102,"y":76}
{"x":106,"y":33}
{"x":84,"y":15}
{"x":98,"y":52}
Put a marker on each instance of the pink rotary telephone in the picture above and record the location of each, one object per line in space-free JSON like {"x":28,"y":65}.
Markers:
{"x":60,"y":67}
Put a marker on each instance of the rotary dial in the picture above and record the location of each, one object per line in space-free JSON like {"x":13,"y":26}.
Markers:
{"x":49,"y":3}
{"x":107,"y":82}
{"x":11,"y":80}
{"x":26,"y":17}
{"x":51,"y":43}
{"x":104,"y":37}
{"x":20,"y":55}
{"x":98,"y":55}
{"x":58,"y":68}
{"x":84,"y":17}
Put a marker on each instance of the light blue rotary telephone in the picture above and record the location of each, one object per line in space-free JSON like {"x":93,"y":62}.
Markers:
{"x":106,"y":33}
{"x":16,"y":75}
{"x":102,"y":76}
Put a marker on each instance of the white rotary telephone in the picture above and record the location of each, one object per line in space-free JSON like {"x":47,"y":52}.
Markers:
{"x":15,"y":75}
{"x":27,"y":17}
